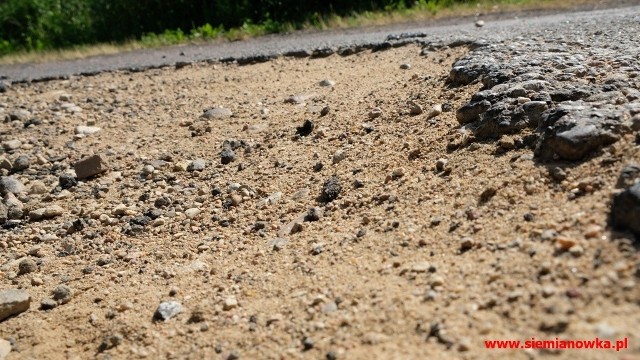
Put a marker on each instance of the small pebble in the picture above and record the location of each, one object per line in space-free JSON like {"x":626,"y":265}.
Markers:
{"x":166,"y":310}
{"x":466,"y":243}
{"x":307,"y":344}
{"x":441,"y":164}
{"x":48,"y":304}
{"x":62,"y":294}
{"x":229,"y":303}
{"x":27,"y":266}
{"x":375,"y":113}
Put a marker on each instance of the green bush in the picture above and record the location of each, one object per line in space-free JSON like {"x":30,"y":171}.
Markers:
{"x":40,"y":24}
{"x":48,"y":24}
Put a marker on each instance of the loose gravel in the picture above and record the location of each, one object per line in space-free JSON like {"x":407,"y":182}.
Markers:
{"x":410,"y":196}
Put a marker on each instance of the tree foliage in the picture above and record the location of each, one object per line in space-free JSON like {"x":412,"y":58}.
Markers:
{"x":46,"y":24}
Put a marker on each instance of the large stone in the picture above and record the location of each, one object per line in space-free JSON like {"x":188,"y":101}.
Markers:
{"x":573,"y":130}
{"x":11,"y":145}
{"x":5,"y":346}
{"x":13,"y":302}
{"x":625,"y":210}
{"x":90,"y":166}
{"x":9,"y":184}
{"x":629,"y":176}
{"x":20,"y":114}
{"x":48,"y":212}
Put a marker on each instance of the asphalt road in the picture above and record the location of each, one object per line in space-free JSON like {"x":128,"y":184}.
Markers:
{"x":497,"y":29}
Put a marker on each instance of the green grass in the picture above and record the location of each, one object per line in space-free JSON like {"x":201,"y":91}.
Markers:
{"x":422,"y":11}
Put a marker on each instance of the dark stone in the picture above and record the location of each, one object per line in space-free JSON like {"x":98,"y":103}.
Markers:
{"x":557,"y":173}
{"x":322,"y":52}
{"x":306,"y":128}
{"x":382,"y":46}
{"x":496,"y":77}
{"x":78,"y":225}
{"x":346,"y":51}
{"x":572,"y":132}
{"x":625,"y":210}
{"x":471,"y":111}
{"x":501,"y":119}
{"x":313,"y":214}
{"x":140,"y":220}
{"x":556,"y":327}
{"x":162,"y":202}
{"x":33,"y":122}
{"x":21,"y":163}
{"x":487,"y":194}
{"x":628,"y":176}
{"x":227,"y":156}
{"x":247,"y":60}
{"x":467,"y":70}
{"x":67,"y":181}
{"x":298,"y":53}
{"x":307,"y":344}
{"x":90,"y":166}
{"x":153,"y":214}
{"x":48,"y":304}
{"x":330,"y":189}
{"x":534,"y":110}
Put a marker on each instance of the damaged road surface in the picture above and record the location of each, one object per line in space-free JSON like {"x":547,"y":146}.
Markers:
{"x":383,"y":194}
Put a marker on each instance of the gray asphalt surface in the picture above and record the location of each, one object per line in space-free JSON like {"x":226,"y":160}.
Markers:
{"x":496,"y":30}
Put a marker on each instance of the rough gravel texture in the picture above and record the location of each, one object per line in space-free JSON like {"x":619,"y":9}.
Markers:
{"x":337,"y":222}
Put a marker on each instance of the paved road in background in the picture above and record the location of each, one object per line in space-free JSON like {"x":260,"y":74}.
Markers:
{"x":495,"y":29}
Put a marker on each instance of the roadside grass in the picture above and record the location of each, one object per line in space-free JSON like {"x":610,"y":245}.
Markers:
{"x":422,"y":11}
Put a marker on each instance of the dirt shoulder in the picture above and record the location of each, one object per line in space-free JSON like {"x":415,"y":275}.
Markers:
{"x":401,"y":200}
{"x":416,"y":255}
